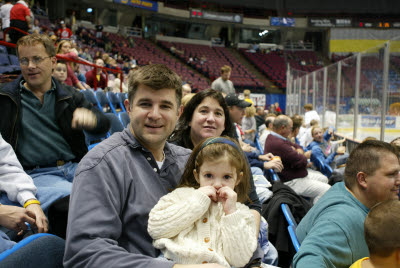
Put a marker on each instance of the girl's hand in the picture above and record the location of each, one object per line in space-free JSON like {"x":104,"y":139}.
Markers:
{"x":209,"y":191}
{"x":228,"y":197}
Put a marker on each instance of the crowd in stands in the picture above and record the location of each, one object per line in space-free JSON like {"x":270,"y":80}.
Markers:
{"x":185,"y":181}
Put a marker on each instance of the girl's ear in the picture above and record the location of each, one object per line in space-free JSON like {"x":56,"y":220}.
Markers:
{"x":196,"y":176}
{"x":239,"y":178}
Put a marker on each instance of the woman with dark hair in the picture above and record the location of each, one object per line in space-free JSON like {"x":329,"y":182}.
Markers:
{"x":205,"y":115}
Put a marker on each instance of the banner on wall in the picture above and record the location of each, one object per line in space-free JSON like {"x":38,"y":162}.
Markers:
{"x":145,"y":4}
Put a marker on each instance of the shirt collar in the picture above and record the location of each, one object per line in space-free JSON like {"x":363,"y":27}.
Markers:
{"x":22,"y":87}
{"x":278,"y":136}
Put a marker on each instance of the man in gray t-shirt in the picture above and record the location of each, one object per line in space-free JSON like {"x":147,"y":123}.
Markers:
{"x":222,"y":83}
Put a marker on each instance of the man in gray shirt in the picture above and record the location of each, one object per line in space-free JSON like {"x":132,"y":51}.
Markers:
{"x":222,"y":83}
{"x":119,"y":181}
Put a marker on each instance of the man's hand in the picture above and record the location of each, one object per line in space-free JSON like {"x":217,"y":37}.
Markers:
{"x":41,"y":222}
{"x":266,"y":157}
{"x":14,"y":218}
{"x":228,"y":197}
{"x":275,"y":164}
{"x":210,"y":191}
{"x":84,"y":119}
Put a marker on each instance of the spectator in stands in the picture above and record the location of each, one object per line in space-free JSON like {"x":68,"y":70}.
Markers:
{"x":5,"y":14}
{"x":332,"y":232}
{"x":394,"y":109}
{"x":222,"y":83}
{"x":310,"y":114}
{"x":260,"y":119}
{"x":36,"y":27}
{"x":47,"y":120}
{"x":16,"y":186}
{"x":186,"y":89}
{"x":383,"y":244}
{"x":305,"y":136}
{"x":86,"y":55}
{"x":99,"y":30}
{"x":269,"y":120}
{"x":64,"y":49}
{"x":295,"y":174}
{"x":297,"y":123}
{"x":278,"y":110}
{"x":249,"y":124}
{"x":97,"y":74}
{"x":322,"y":149}
{"x":113,"y":221}
{"x":246,"y":94}
{"x":272,"y":109}
{"x":60,"y":72}
{"x":64,"y":33}
{"x":20,"y":17}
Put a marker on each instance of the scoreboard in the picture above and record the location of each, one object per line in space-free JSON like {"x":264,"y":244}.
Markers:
{"x":352,"y":23}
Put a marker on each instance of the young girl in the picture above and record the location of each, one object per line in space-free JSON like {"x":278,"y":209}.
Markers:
{"x":204,"y":220}
{"x":60,"y":72}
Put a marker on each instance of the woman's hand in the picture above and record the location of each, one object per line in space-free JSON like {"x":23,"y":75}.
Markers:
{"x":228,"y":197}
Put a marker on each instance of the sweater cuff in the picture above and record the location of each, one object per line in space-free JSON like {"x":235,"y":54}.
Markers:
{"x":234,"y":218}
{"x":23,"y":196}
{"x":201,"y":198}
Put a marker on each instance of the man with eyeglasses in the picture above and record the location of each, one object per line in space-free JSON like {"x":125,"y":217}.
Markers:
{"x":44,"y":121}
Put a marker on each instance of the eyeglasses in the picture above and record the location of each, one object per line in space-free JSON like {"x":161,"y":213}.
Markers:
{"x":35,"y":60}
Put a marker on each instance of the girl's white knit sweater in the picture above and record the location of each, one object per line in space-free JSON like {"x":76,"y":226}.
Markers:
{"x":191,"y":229}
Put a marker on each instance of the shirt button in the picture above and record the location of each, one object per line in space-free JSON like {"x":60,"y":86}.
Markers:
{"x":149,"y":158}
{"x":210,"y":249}
{"x":207,"y":239}
{"x":155,"y":169}
{"x":205,"y":220}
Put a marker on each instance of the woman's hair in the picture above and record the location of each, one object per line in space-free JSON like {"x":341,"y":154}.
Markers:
{"x":59,"y":46}
{"x":181,"y":135}
{"x":213,"y":149}
{"x":250,"y":111}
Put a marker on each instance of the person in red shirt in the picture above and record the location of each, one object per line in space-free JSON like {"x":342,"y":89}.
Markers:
{"x":20,"y":17}
{"x":64,"y":33}
{"x":277,"y":108}
{"x":99,"y":76}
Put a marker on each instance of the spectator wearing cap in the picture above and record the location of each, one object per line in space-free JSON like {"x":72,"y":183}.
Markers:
{"x":236,"y":108}
{"x":222,"y":83}
{"x":64,"y":33}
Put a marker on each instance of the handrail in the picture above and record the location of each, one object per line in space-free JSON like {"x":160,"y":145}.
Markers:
{"x":13,"y":28}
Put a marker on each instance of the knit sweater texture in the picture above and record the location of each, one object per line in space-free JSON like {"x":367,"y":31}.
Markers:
{"x":188,"y":228}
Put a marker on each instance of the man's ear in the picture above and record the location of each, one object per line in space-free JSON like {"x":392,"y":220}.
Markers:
{"x":196,"y":176}
{"x":127,"y":105}
{"x":362,"y":179}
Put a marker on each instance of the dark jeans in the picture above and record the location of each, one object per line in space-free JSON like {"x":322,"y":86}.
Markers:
{"x":14,"y":34}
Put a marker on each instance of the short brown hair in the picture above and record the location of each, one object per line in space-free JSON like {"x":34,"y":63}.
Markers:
{"x":381,"y":239}
{"x":308,"y":106}
{"x":155,"y":76}
{"x":215,"y":151}
{"x":225,"y":69}
{"x":34,"y":39}
{"x":366,"y":157}
{"x":297,"y":121}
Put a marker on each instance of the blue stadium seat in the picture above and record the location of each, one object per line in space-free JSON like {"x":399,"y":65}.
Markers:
{"x":124,"y":118}
{"x":90,"y":97}
{"x":113,"y":102}
{"x":121,"y":99}
{"x":116,"y":125}
{"x":292,"y":225}
{"x":324,"y":169}
{"x":102,"y":101}
{"x":3,"y":49}
{"x":258,"y":145}
{"x":293,"y":237}
{"x":92,"y":140}
{"x":14,"y":62}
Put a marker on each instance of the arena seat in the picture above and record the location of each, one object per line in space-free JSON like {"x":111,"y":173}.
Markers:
{"x":116,"y":125}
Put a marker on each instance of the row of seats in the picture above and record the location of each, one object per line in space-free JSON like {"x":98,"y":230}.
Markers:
{"x":112,"y":105}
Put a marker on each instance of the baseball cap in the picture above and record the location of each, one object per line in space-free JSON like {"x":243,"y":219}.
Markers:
{"x":233,"y":100}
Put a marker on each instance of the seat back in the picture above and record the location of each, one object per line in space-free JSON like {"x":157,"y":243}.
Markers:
{"x":113,"y":101}
{"x":293,"y":237}
{"x":13,"y":59}
{"x":102,"y":101}
{"x":292,"y":225}
{"x":116,"y":125}
{"x":121,"y":98}
{"x":258,"y":145}
{"x":4,"y":61}
{"x":318,"y":163}
{"x":124,"y":118}
{"x":90,"y":97}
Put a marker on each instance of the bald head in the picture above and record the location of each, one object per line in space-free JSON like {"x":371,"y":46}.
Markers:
{"x":283,"y":125}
